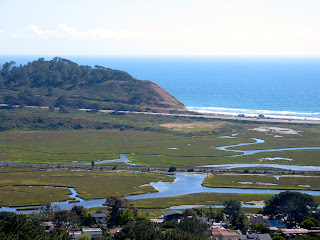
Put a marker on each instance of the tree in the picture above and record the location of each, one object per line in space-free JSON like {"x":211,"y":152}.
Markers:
{"x":176,"y":234}
{"x":61,"y":101}
{"x":116,"y":206}
{"x":310,"y":223}
{"x":292,"y":206}
{"x":232,"y":210}
{"x":51,"y":108}
{"x":241,"y":223}
{"x":63,"y":109}
{"x":212,"y":213}
{"x":78,"y":215}
{"x":189,"y":212}
{"x":194,"y":226}
{"x":139,"y":230}
{"x":95,"y":107}
{"x":92,"y":164}
{"x":11,"y":100}
{"x":13,"y":226}
{"x":310,"y":236}
{"x":126,"y":216}
{"x":85,"y":237}
{"x":260,"y":228}
{"x":60,"y":218}
{"x":277,"y":237}
{"x":59,"y":234}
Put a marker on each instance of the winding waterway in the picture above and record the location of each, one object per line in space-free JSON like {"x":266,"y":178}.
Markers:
{"x":123,"y":158}
{"x":185,"y":183}
{"x":250,"y":152}
{"x":257,"y":141}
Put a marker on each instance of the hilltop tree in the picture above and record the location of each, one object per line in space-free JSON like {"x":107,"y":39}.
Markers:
{"x":292,"y":206}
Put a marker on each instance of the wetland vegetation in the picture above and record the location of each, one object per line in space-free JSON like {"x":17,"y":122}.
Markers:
{"x":78,"y":137}
{"x":89,"y":185}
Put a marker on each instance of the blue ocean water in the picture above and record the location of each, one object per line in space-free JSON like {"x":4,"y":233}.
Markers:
{"x":282,"y":87}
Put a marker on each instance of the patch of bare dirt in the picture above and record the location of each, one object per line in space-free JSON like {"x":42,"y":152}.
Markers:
{"x":193,"y":125}
{"x":276,"y":130}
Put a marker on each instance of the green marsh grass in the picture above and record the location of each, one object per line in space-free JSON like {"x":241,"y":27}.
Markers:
{"x":266,"y":181}
{"x":89,"y":184}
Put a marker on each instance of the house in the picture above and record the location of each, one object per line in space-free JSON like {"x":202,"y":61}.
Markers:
{"x":156,"y":220}
{"x":206,"y":220}
{"x":257,"y":218}
{"x":171,"y":215}
{"x":218,"y":224}
{"x":74,"y":234}
{"x":113,"y":231}
{"x":93,"y":232}
{"x":226,"y":234}
{"x":294,"y":232}
{"x":215,"y":229}
{"x":265,"y":236}
{"x":101,"y":218}
{"x":49,"y":226}
{"x":275,"y":224}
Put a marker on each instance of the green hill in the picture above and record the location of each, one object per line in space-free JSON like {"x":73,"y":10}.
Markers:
{"x":61,"y":82}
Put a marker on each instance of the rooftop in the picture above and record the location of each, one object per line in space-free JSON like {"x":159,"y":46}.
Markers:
{"x":91,"y":230}
{"x":265,"y":236}
{"x":172,"y":212}
{"x":99,"y":215}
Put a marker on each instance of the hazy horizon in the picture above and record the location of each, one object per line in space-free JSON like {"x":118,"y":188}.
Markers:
{"x":245,"y":28}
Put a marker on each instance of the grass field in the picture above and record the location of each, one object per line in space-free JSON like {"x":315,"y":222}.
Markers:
{"x":155,"y":206}
{"x":267,"y":181}
{"x":86,"y":145}
{"x":89,"y":184}
{"x":209,"y":199}
{"x":150,"y":148}
{"x":26,"y":196}
{"x":162,"y":141}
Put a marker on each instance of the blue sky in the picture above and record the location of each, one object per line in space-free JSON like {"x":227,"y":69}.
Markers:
{"x":152,"y":27}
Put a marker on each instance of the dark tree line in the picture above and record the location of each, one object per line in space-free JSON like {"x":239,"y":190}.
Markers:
{"x":14,"y":226}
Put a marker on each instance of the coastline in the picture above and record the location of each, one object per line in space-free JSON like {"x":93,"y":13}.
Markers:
{"x":277,"y":114}
{"x":193,"y":114}
{"x":231,"y":117}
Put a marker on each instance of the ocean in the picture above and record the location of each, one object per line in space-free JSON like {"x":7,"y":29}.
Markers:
{"x":275,"y":87}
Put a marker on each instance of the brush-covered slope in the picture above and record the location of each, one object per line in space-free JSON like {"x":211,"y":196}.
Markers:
{"x":61,"y":82}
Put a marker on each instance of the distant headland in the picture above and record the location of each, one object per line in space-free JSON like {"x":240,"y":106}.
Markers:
{"x":63,"y":83}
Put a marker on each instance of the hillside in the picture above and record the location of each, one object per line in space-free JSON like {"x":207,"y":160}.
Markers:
{"x":61,"y":82}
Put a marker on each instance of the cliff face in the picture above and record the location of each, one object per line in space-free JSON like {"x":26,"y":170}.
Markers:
{"x":60,"y":82}
{"x":165,"y":99}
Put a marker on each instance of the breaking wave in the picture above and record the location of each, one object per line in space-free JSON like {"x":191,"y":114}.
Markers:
{"x":254,"y":112}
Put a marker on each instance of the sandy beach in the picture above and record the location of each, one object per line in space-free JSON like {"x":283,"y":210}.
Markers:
{"x":236,"y":118}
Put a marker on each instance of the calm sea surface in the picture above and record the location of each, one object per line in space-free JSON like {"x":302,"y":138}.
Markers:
{"x":270,"y":86}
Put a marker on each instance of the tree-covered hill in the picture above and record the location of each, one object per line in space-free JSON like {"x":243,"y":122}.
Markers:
{"x":61,"y":82}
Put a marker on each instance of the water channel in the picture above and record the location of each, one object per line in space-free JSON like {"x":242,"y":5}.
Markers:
{"x":186,"y":183}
